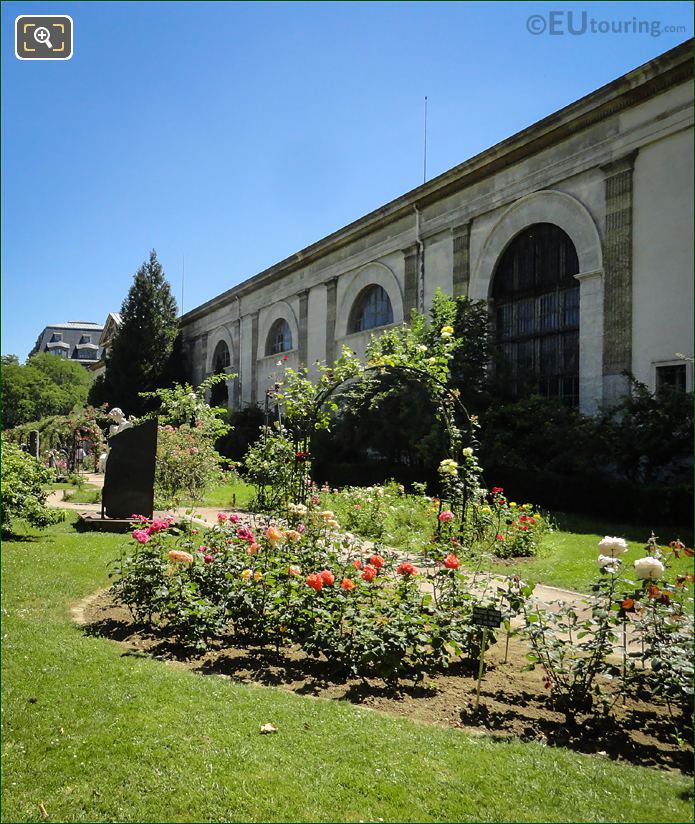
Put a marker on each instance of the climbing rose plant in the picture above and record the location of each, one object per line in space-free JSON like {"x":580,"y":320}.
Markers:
{"x":187,"y":461}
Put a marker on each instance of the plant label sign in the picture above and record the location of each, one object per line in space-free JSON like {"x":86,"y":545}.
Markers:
{"x":487,"y":617}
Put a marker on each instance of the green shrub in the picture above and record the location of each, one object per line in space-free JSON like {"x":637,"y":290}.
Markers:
{"x":23,"y":489}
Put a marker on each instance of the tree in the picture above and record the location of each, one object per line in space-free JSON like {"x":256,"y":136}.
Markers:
{"x":140,"y":356}
{"x":44,"y":385}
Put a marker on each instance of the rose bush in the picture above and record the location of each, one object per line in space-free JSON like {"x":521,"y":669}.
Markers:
{"x":585,"y":652}
{"x":509,"y":529}
{"x":300,"y":582}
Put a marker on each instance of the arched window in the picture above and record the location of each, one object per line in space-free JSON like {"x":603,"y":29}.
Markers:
{"x":279,"y":338}
{"x":221,"y":358}
{"x":371,"y":309}
{"x":536,"y":301}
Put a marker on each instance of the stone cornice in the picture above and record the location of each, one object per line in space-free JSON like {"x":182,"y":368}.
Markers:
{"x":646,"y":81}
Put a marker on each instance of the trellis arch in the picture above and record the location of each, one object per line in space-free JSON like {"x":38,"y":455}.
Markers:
{"x":445,"y":401}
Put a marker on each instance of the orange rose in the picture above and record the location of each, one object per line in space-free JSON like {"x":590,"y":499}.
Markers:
{"x":180,"y":557}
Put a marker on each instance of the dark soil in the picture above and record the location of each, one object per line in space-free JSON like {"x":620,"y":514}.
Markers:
{"x":513,"y":702}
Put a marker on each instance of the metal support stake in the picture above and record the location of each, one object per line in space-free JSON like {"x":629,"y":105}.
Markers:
{"x":480,"y":668}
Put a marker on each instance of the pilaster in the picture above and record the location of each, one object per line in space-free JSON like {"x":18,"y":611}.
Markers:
{"x":617,"y":291}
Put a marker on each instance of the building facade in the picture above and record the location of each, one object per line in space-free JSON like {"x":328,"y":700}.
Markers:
{"x":577,"y":231}
{"x":75,"y":340}
{"x":111,"y":326}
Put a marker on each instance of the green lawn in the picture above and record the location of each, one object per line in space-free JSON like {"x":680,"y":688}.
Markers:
{"x":225,"y":496}
{"x":85,"y":494}
{"x":567,"y":557}
{"x":96,"y":735}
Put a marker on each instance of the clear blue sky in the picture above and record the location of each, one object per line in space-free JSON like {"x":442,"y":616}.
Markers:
{"x":238,"y":133}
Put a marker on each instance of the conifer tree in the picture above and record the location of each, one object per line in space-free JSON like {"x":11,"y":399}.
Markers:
{"x":139,"y":359}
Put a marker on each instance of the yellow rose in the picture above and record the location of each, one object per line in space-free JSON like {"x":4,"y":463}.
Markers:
{"x":257,"y":576}
{"x":246,"y":574}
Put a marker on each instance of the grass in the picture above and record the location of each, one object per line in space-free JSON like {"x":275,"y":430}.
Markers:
{"x":85,"y":494}
{"x":567,"y":557}
{"x":225,"y":496}
{"x":96,"y":735}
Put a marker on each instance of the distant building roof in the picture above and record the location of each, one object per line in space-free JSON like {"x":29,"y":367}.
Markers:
{"x":74,"y":339}
{"x":76,"y":324}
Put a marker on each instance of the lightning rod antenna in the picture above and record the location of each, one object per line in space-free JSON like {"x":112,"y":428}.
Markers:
{"x":424,"y":158}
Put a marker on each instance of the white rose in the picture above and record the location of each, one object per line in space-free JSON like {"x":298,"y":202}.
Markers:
{"x":468,"y":451}
{"x":612,"y":546}
{"x":649,"y":569}
{"x":609,"y":563}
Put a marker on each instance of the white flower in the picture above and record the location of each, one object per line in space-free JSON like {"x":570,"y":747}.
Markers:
{"x":612,"y":546}
{"x":649,"y":569}
{"x":608,"y":563}
{"x":421,"y":347}
{"x":448,"y":467}
{"x":468,"y":451}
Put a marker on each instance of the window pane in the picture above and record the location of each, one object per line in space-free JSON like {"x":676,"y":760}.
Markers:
{"x":549,"y":305}
{"x":536,"y":300}
{"x":279,"y":338}
{"x":372,"y":308}
{"x":671,"y":376}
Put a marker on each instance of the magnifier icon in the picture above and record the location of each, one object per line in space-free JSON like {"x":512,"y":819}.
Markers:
{"x":42,"y":35}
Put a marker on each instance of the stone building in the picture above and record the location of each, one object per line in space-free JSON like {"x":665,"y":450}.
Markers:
{"x":577,"y":231}
{"x":75,"y":340}
{"x":111,"y":326}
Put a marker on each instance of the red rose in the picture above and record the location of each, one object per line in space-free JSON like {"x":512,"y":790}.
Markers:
{"x":347,"y":584}
{"x":315,"y":582}
{"x":208,"y":559}
{"x":357,"y":563}
{"x":376,"y":561}
{"x":497,"y":489}
{"x":406,"y":568}
{"x":327,"y":577}
{"x":369,"y":573}
{"x":500,"y":536}
{"x":451,"y":561}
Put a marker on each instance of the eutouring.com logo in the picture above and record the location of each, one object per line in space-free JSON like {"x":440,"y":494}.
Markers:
{"x":560,"y":22}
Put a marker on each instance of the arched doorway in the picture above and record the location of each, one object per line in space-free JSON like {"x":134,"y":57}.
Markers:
{"x":536,"y":310}
{"x":221,"y":359}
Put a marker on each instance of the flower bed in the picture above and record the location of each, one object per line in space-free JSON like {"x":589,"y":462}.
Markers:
{"x":366,"y":612}
{"x":306,"y":584}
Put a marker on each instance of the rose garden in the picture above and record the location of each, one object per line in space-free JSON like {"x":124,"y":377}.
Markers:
{"x":268,"y":581}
